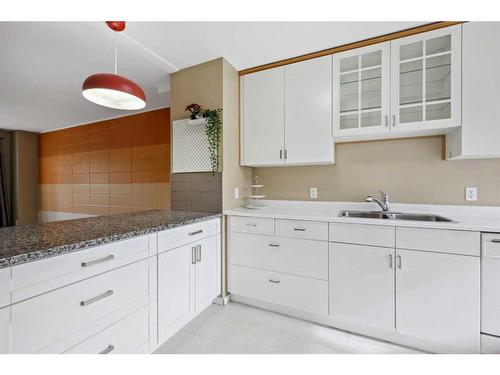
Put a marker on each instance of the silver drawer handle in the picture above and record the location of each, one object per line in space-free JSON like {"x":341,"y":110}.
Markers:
{"x":495,"y":240}
{"x":300,"y":229}
{"x":251,"y":225}
{"x":108,"y":350}
{"x":97,"y":261}
{"x":274,"y":281}
{"x":96,"y":298}
{"x":390,"y":261}
{"x":399,"y":261}
{"x":193,"y":255}
{"x":198,"y":253}
{"x":196,"y":232}
{"x":274,"y":245}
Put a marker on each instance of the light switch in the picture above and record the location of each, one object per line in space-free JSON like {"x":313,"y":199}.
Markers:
{"x":471,"y":193}
{"x":236,"y":193}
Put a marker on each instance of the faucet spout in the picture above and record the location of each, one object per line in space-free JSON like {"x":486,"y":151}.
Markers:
{"x":384,"y":204}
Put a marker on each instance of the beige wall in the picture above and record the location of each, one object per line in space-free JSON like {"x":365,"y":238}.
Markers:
{"x":200,"y":84}
{"x":410,"y":170}
{"x":233,"y":175}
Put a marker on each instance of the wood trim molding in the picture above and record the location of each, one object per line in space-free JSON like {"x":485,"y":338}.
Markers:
{"x":346,"y":47}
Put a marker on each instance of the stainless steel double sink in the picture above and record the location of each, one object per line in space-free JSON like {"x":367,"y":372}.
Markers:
{"x":394,"y":216}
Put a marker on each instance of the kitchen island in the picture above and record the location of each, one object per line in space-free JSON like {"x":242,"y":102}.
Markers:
{"x":113,"y":284}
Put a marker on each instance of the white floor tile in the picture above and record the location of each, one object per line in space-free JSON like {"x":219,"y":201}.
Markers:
{"x":240,"y":329}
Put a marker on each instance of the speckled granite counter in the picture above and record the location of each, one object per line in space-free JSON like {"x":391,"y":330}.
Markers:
{"x":32,"y":242}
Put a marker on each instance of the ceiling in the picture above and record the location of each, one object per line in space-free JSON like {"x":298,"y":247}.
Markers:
{"x":43,"y":64}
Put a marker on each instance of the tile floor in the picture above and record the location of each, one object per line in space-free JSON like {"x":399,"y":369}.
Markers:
{"x":241,"y":329}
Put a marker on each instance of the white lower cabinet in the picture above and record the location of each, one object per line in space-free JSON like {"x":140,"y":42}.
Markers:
{"x":43,"y":320}
{"x":438,"y":299}
{"x":362,"y":285}
{"x":4,"y":330}
{"x":124,"y":337}
{"x":187,"y":283}
{"x":300,"y":293}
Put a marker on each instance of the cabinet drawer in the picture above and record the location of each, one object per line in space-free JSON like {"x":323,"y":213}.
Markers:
{"x":45,"y":319}
{"x":171,"y":238}
{"x":4,"y":287}
{"x":491,"y":244}
{"x":438,"y":240}
{"x":296,"y":292}
{"x":257,"y":225}
{"x":362,"y":234}
{"x":312,"y":230}
{"x":34,"y":278}
{"x":123,"y":337}
{"x":289,"y":255}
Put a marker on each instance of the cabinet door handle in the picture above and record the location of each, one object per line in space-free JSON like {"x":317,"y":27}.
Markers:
{"x":274,"y":245}
{"x":286,"y":154}
{"x":108,"y":350}
{"x":274,"y":281}
{"x":386,"y":121}
{"x":198,"y":253}
{"x":495,"y":240}
{"x":193,"y":255}
{"x":196,"y":232}
{"x":300,"y":229}
{"x":281,"y":154}
{"x":97,"y":261}
{"x":393,"y":120}
{"x":399,"y":261}
{"x":251,"y":224}
{"x":390,"y":261}
{"x":96,"y":298}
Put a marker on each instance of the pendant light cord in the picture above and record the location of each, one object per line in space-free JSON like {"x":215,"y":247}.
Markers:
{"x":116,"y":57}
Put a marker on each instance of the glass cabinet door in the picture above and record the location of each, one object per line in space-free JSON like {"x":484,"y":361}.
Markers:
{"x":426,"y":80}
{"x":361,"y":82}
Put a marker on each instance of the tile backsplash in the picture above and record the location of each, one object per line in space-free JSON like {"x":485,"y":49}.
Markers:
{"x":196,"y":192}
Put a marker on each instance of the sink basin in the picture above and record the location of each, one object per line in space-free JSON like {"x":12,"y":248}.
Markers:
{"x":394,"y":216}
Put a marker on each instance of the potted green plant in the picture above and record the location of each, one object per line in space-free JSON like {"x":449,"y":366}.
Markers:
{"x":213,"y":128}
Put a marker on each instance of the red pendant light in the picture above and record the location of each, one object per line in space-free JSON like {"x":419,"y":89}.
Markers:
{"x":112,"y":90}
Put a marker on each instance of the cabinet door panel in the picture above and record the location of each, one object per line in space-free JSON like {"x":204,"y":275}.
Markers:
{"x":175,"y":285}
{"x":308,"y":112}
{"x":262,"y":113}
{"x":361,"y":86}
{"x":426,"y":80}
{"x":207,"y":282}
{"x":362,"y":285}
{"x":437,"y":299}
{"x":4,"y":330}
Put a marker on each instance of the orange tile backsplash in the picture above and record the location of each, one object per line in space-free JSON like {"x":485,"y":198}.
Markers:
{"x":112,"y":166}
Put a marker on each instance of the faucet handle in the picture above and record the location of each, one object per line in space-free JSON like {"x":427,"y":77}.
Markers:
{"x":385,"y":196}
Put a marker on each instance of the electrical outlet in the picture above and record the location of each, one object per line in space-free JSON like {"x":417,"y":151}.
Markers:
{"x":236,"y":193}
{"x":313,"y":193}
{"x":471,"y":193}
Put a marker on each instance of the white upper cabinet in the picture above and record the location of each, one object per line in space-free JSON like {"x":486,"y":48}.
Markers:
{"x":478,"y":137}
{"x":361,"y":81}
{"x":308,"y":112}
{"x":426,"y":80}
{"x":286,"y":115}
{"x":262,"y":118}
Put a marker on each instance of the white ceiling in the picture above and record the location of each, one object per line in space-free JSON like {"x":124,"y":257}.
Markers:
{"x":43,"y":64}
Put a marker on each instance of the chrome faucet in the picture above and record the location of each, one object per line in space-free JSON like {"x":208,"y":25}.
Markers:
{"x":385,"y":201}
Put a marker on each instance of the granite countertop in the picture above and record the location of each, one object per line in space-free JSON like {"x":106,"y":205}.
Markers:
{"x":32,"y":242}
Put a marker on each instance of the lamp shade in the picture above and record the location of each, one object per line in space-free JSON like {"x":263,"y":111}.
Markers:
{"x":113,"y":91}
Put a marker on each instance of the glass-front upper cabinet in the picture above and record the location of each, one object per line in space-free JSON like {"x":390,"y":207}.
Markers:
{"x":362,"y":91}
{"x":426,"y":80}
